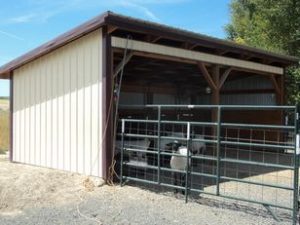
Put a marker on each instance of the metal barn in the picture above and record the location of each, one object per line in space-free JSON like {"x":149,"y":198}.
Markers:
{"x":116,"y":93}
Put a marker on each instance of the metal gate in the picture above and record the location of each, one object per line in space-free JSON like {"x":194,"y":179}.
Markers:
{"x":251,"y":162}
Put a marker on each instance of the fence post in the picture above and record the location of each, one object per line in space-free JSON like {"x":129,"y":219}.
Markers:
{"x":122,"y":152}
{"x":296,"y":165}
{"x":187,"y":160}
{"x":158,"y":143}
{"x":218,"y":149}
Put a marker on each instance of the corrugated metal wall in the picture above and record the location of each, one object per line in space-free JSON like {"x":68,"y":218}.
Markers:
{"x":254,"y":82}
{"x":57,"y":114}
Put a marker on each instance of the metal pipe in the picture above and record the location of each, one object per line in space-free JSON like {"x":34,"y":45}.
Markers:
{"x":257,"y":183}
{"x":254,"y":163}
{"x":251,"y":144}
{"x":218,"y":149}
{"x":225,"y":107}
{"x":262,"y":126}
{"x":158,"y":143}
{"x":296,"y":168}
{"x":122,"y":152}
{"x":188,"y":132}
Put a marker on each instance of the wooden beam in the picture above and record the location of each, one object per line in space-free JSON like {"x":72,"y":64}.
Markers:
{"x":111,"y":29}
{"x":275,"y":84}
{"x":193,"y":55}
{"x":193,"y":46}
{"x":224,"y":77}
{"x":207,"y":76}
{"x":152,"y":39}
{"x":120,"y":65}
{"x":216,"y":80}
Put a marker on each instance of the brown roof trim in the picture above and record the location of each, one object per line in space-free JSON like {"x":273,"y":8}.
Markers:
{"x":61,"y":40}
{"x":130,"y":23}
{"x":142,"y":26}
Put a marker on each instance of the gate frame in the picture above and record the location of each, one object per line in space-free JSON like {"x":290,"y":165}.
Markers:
{"x":217,"y":158}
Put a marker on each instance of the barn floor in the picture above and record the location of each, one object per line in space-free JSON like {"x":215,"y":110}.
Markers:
{"x":32,"y":195}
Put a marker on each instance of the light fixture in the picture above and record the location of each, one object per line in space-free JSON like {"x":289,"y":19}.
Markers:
{"x":207,"y":90}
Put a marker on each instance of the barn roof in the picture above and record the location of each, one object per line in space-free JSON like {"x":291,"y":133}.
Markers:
{"x":123,"y":25}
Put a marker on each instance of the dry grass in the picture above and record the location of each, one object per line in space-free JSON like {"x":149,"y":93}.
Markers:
{"x":4,"y":125}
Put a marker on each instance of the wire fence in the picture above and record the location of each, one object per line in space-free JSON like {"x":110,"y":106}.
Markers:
{"x":250,"y":162}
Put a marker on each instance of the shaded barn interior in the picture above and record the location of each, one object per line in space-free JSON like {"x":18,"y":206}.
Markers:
{"x":156,"y":81}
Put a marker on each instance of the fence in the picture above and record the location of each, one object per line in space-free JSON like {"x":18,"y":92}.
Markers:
{"x":256,"y":163}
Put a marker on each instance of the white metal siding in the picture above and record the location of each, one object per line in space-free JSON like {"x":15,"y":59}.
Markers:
{"x":57,"y":114}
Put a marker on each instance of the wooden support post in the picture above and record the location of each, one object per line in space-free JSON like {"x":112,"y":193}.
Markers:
{"x":278,"y":84}
{"x":215,"y":98}
{"x":224,"y":77}
{"x":207,"y":76}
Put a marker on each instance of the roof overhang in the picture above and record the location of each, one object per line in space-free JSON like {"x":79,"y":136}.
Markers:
{"x":122,"y":23}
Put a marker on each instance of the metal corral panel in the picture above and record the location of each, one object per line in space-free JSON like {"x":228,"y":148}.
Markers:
{"x":57,"y":108}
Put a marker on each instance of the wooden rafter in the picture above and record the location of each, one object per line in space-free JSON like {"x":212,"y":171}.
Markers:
{"x":119,"y":66}
{"x":207,"y":76}
{"x":224,"y":77}
{"x":152,"y":39}
{"x":111,"y":29}
{"x":193,"y":46}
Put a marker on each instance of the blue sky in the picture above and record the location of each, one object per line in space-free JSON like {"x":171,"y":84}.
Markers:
{"x":25,"y":24}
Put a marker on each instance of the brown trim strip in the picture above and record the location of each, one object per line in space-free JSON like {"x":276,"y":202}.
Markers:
{"x":107,"y":128}
{"x":11,"y":119}
{"x":60,"y":41}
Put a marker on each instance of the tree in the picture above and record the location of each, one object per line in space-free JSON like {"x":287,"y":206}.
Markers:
{"x":273,"y":25}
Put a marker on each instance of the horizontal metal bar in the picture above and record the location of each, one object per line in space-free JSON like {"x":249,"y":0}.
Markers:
{"x":254,"y":163}
{"x":258,"y":145}
{"x":257,"y":183}
{"x":253,"y":107}
{"x":140,"y":121}
{"x":255,"y":202}
{"x":140,"y":166}
{"x":211,"y":158}
{"x":243,"y":125}
{"x":140,"y":180}
{"x":141,"y":150}
{"x":140,"y":135}
{"x":257,"y":107}
{"x":153,"y":182}
{"x":203,"y":174}
{"x":191,"y":122}
{"x":203,"y":192}
{"x":170,"y":122}
{"x":204,"y":141}
{"x":172,"y":186}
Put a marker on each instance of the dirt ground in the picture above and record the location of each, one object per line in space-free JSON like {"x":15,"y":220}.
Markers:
{"x":33,"y":195}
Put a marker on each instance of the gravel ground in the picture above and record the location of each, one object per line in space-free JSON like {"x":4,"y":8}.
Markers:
{"x":33,"y":195}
